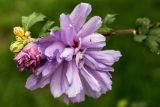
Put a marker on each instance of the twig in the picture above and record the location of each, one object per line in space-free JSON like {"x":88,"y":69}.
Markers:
{"x":119,"y":32}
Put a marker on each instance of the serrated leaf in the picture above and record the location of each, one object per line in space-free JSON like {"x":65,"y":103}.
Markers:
{"x":153,"y":40}
{"x":28,"y":21}
{"x":150,"y":32}
{"x":157,"y":24}
{"x":139,"y":38}
{"x":143,"y":21}
{"x":153,"y":44}
{"x":143,"y":25}
{"x":45,"y":28}
{"x":155,"y":32}
{"x":109,"y":18}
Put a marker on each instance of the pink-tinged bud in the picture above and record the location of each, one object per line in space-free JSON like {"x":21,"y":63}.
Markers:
{"x":29,"y":57}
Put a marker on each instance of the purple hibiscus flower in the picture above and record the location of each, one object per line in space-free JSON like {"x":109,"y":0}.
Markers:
{"x":76,"y":64}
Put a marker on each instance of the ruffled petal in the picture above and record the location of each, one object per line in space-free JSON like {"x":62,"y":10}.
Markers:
{"x":90,"y":27}
{"x":94,"y":41}
{"x":69,"y":72}
{"x":31,"y":82}
{"x":78,"y":98}
{"x":79,"y":15}
{"x":47,"y":68}
{"x":67,"y":54}
{"x":95,"y":65}
{"x":34,"y":82}
{"x":59,"y":83}
{"x":65,"y":21}
{"x":52,"y":50}
{"x":56,"y":34}
{"x":76,"y":85}
{"x":69,"y":33}
{"x":92,"y":82}
{"x":42,"y":76}
{"x":103,"y":79}
{"x":107,"y":57}
{"x":88,"y":89}
{"x":44,"y":42}
{"x":65,"y":83}
{"x":56,"y":80}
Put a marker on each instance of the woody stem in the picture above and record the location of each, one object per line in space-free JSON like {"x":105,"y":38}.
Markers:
{"x":119,"y":32}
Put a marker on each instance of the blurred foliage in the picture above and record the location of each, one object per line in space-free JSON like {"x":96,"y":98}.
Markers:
{"x":149,"y":33}
{"x":137,"y":75}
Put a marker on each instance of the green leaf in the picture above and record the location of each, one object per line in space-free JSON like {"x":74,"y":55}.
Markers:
{"x":139,"y":38}
{"x":153,"y":40}
{"x":28,"y":21}
{"x":104,"y":29}
{"x":150,"y":32}
{"x":155,"y":32}
{"x":143,"y":25}
{"x":143,"y":21}
{"x":109,"y":18}
{"x":153,"y":44}
{"x":45,"y":28}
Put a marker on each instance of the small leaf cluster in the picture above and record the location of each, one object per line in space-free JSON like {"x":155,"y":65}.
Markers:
{"x":32,"y":19}
{"x":149,"y":33}
{"x":108,"y":19}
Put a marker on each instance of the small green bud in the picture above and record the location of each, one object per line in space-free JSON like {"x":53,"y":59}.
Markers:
{"x":17,"y":46}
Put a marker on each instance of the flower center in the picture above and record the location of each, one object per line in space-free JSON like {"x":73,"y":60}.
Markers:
{"x":75,"y":44}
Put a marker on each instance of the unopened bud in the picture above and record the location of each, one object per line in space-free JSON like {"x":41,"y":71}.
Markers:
{"x":27,"y":34}
{"x":18,"y":31}
{"x":16,"y":46}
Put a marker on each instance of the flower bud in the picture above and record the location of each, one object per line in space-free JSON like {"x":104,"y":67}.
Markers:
{"x":16,"y":46}
{"x":27,"y":34}
{"x":29,"y":57}
{"x":18,"y":31}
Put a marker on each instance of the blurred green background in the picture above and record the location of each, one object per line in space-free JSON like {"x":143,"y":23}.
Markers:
{"x":136,"y":80}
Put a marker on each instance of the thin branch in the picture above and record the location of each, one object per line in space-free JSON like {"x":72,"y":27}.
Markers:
{"x":119,"y":32}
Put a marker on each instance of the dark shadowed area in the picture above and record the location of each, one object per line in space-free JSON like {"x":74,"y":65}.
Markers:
{"x":136,"y":80}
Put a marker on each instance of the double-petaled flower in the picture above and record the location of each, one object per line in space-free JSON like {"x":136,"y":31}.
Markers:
{"x":75,"y":64}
